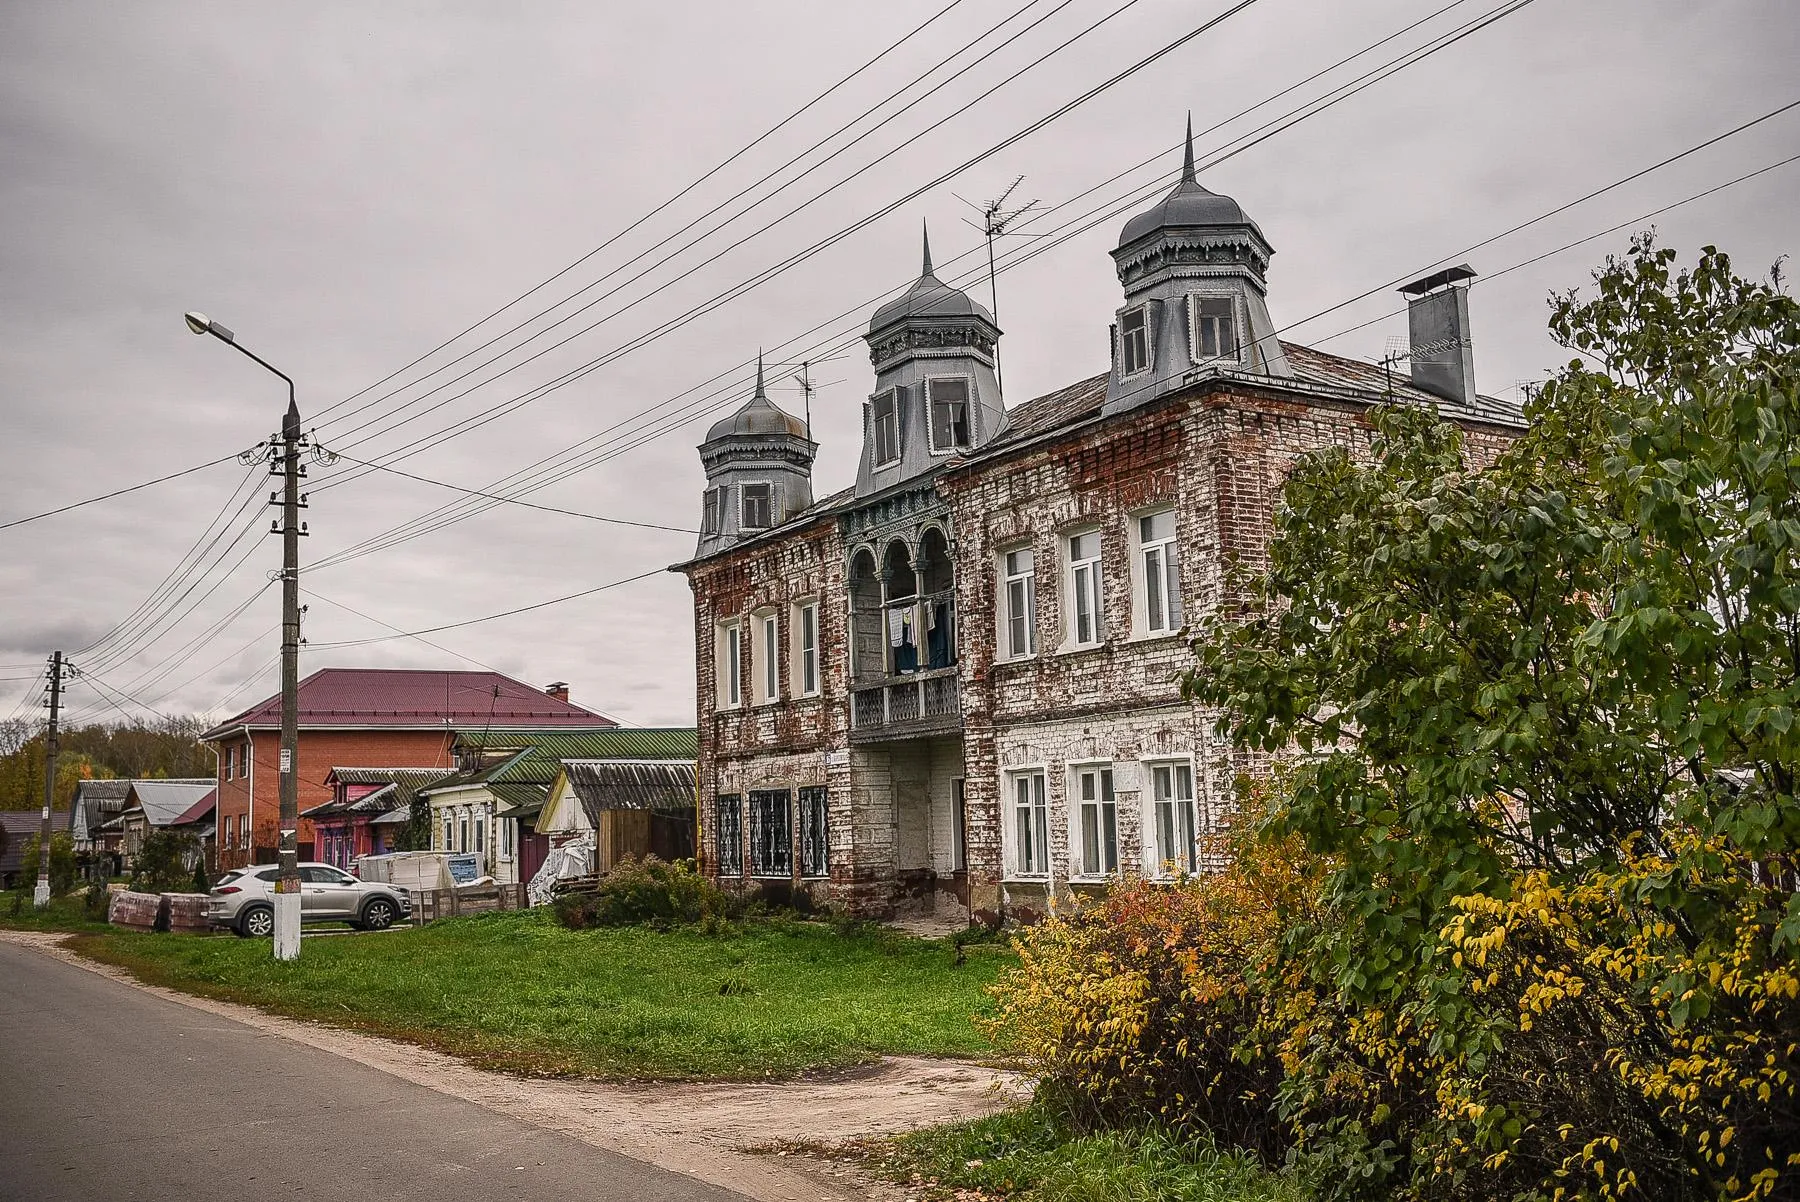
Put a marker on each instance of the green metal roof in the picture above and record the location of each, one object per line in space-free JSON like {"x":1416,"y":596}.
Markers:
{"x":615,"y":743}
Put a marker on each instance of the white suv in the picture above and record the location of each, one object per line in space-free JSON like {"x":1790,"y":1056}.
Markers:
{"x":244,"y":900}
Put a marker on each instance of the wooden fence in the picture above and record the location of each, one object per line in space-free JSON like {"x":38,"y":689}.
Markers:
{"x":433,"y":904}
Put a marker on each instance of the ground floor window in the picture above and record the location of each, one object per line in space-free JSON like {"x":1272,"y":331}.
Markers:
{"x":1172,"y":820}
{"x":1099,"y":822}
{"x":1031,"y":825}
{"x":771,"y":833}
{"x":728,"y":834}
{"x":815,"y":839}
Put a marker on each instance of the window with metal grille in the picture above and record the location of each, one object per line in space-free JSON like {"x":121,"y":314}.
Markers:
{"x":728,"y":834}
{"x":949,"y":413}
{"x":815,"y":839}
{"x":771,"y":833}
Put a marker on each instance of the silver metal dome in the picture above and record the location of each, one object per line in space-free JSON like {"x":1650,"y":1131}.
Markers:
{"x":928,"y":297}
{"x":758,"y":416}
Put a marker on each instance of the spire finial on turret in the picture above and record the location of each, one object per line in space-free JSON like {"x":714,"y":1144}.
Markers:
{"x":1187,"y":164}
{"x":926,"y":230}
{"x":759,"y":375}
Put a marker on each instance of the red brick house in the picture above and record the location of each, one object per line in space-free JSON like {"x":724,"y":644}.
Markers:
{"x":363,"y":716}
{"x":955,"y":685}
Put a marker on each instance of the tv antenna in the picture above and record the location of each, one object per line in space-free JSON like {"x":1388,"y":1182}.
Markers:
{"x":803,"y":377}
{"x":997,"y":220}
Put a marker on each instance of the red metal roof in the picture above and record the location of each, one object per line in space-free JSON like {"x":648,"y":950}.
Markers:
{"x":200,"y":809}
{"x":402,"y":699}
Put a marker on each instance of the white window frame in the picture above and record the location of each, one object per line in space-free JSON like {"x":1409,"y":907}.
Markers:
{"x":1039,"y":835}
{"x":1126,"y":371}
{"x":744,"y":505}
{"x":1084,"y":579}
{"x":1239,"y":325}
{"x":728,"y":659}
{"x":1141,"y":554}
{"x":765,"y":656}
{"x":931,"y":414}
{"x":892,"y":396}
{"x":803,"y":658}
{"x":1155,"y":864}
{"x":1106,"y":797}
{"x":1028,"y":580}
{"x":503,"y":840}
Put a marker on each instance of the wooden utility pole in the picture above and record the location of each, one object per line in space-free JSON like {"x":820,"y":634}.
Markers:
{"x":41,"y":895}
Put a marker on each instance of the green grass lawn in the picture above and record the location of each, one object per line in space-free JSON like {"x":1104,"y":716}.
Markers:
{"x":1029,"y":1156}
{"x":67,"y":913}
{"x":515,"y":991}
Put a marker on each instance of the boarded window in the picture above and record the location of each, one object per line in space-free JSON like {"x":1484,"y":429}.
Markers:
{"x":728,"y":834}
{"x":815,"y":840}
{"x":771,"y":833}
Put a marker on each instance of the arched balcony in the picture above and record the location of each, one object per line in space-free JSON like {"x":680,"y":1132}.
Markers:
{"x":903,"y":643}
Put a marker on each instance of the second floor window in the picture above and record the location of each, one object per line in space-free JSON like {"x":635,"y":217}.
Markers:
{"x":1087,"y":619}
{"x":768,"y":650}
{"x":806,"y":649}
{"x":949,"y":413}
{"x":759,"y":507}
{"x":1020,"y":603}
{"x":1162,"y":572}
{"x":731,"y":664}
{"x":1099,"y":822}
{"x":884,"y":428}
{"x":1134,"y":343}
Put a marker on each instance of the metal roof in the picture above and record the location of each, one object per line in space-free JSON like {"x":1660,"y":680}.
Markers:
{"x":408,"y":699}
{"x":642,"y":743}
{"x":165,"y":801}
{"x":398,"y":788}
{"x":631,"y":785}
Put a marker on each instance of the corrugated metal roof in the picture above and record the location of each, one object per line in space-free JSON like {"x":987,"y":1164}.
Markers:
{"x":388,"y":697}
{"x":164,"y":801}
{"x":1310,"y":363}
{"x":398,"y":788}
{"x":621,"y":742}
{"x":620,"y":784}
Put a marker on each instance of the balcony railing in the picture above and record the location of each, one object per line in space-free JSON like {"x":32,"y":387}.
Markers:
{"x":899,"y":707}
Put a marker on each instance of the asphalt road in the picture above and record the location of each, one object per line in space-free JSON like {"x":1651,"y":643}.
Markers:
{"x":107,"y":1091}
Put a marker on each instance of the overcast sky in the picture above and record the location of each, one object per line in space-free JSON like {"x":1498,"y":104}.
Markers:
{"x":349,"y":185}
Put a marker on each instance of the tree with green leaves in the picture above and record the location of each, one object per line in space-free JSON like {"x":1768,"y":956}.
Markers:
{"x":1570,"y":668}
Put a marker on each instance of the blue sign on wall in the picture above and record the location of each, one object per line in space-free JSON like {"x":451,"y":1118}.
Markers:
{"x":463,"y":869}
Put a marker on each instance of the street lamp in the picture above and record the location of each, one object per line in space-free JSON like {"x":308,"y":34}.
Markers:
{"x":287,"y":882}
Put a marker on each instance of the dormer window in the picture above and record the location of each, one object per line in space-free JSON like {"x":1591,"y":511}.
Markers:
{"x":709,"y":515}
{"x":1134,"y":342}
{"x":758,"y":507}
{"x":1214,"y":330}
{"x":949,"y":397}
{"x":884,"y":429}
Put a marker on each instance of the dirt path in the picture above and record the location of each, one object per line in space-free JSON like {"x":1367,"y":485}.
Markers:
{"x":704,"y":1130}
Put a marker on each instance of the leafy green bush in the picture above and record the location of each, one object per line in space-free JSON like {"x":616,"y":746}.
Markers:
{"x":647,"y":892}
{"x":162,"y":863}
{"x":62,"y":864}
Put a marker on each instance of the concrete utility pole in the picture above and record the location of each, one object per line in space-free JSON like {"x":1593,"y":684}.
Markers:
{"x":284,"y":454}
{"x":40,"y":897}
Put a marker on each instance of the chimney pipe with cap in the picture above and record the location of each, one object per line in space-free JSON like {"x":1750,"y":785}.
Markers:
{"x":1437,"y":318}
{"x":558,"y":689}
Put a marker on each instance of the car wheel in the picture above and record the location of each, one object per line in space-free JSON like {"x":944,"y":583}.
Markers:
{"x":378,"y":914}
{"x":258,"y":922}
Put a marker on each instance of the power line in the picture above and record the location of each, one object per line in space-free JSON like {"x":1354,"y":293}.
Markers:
{"x":718,"y":167}
{"x":743,"y":287}
{"x":397,"y":631}
{"x":1301,"y":113}
{"x":475,"y":492}
{"x":413,"y":634}
{"x":118,"y":492}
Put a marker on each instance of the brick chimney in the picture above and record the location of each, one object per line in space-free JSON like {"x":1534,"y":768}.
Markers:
{"x":558,"y":690}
